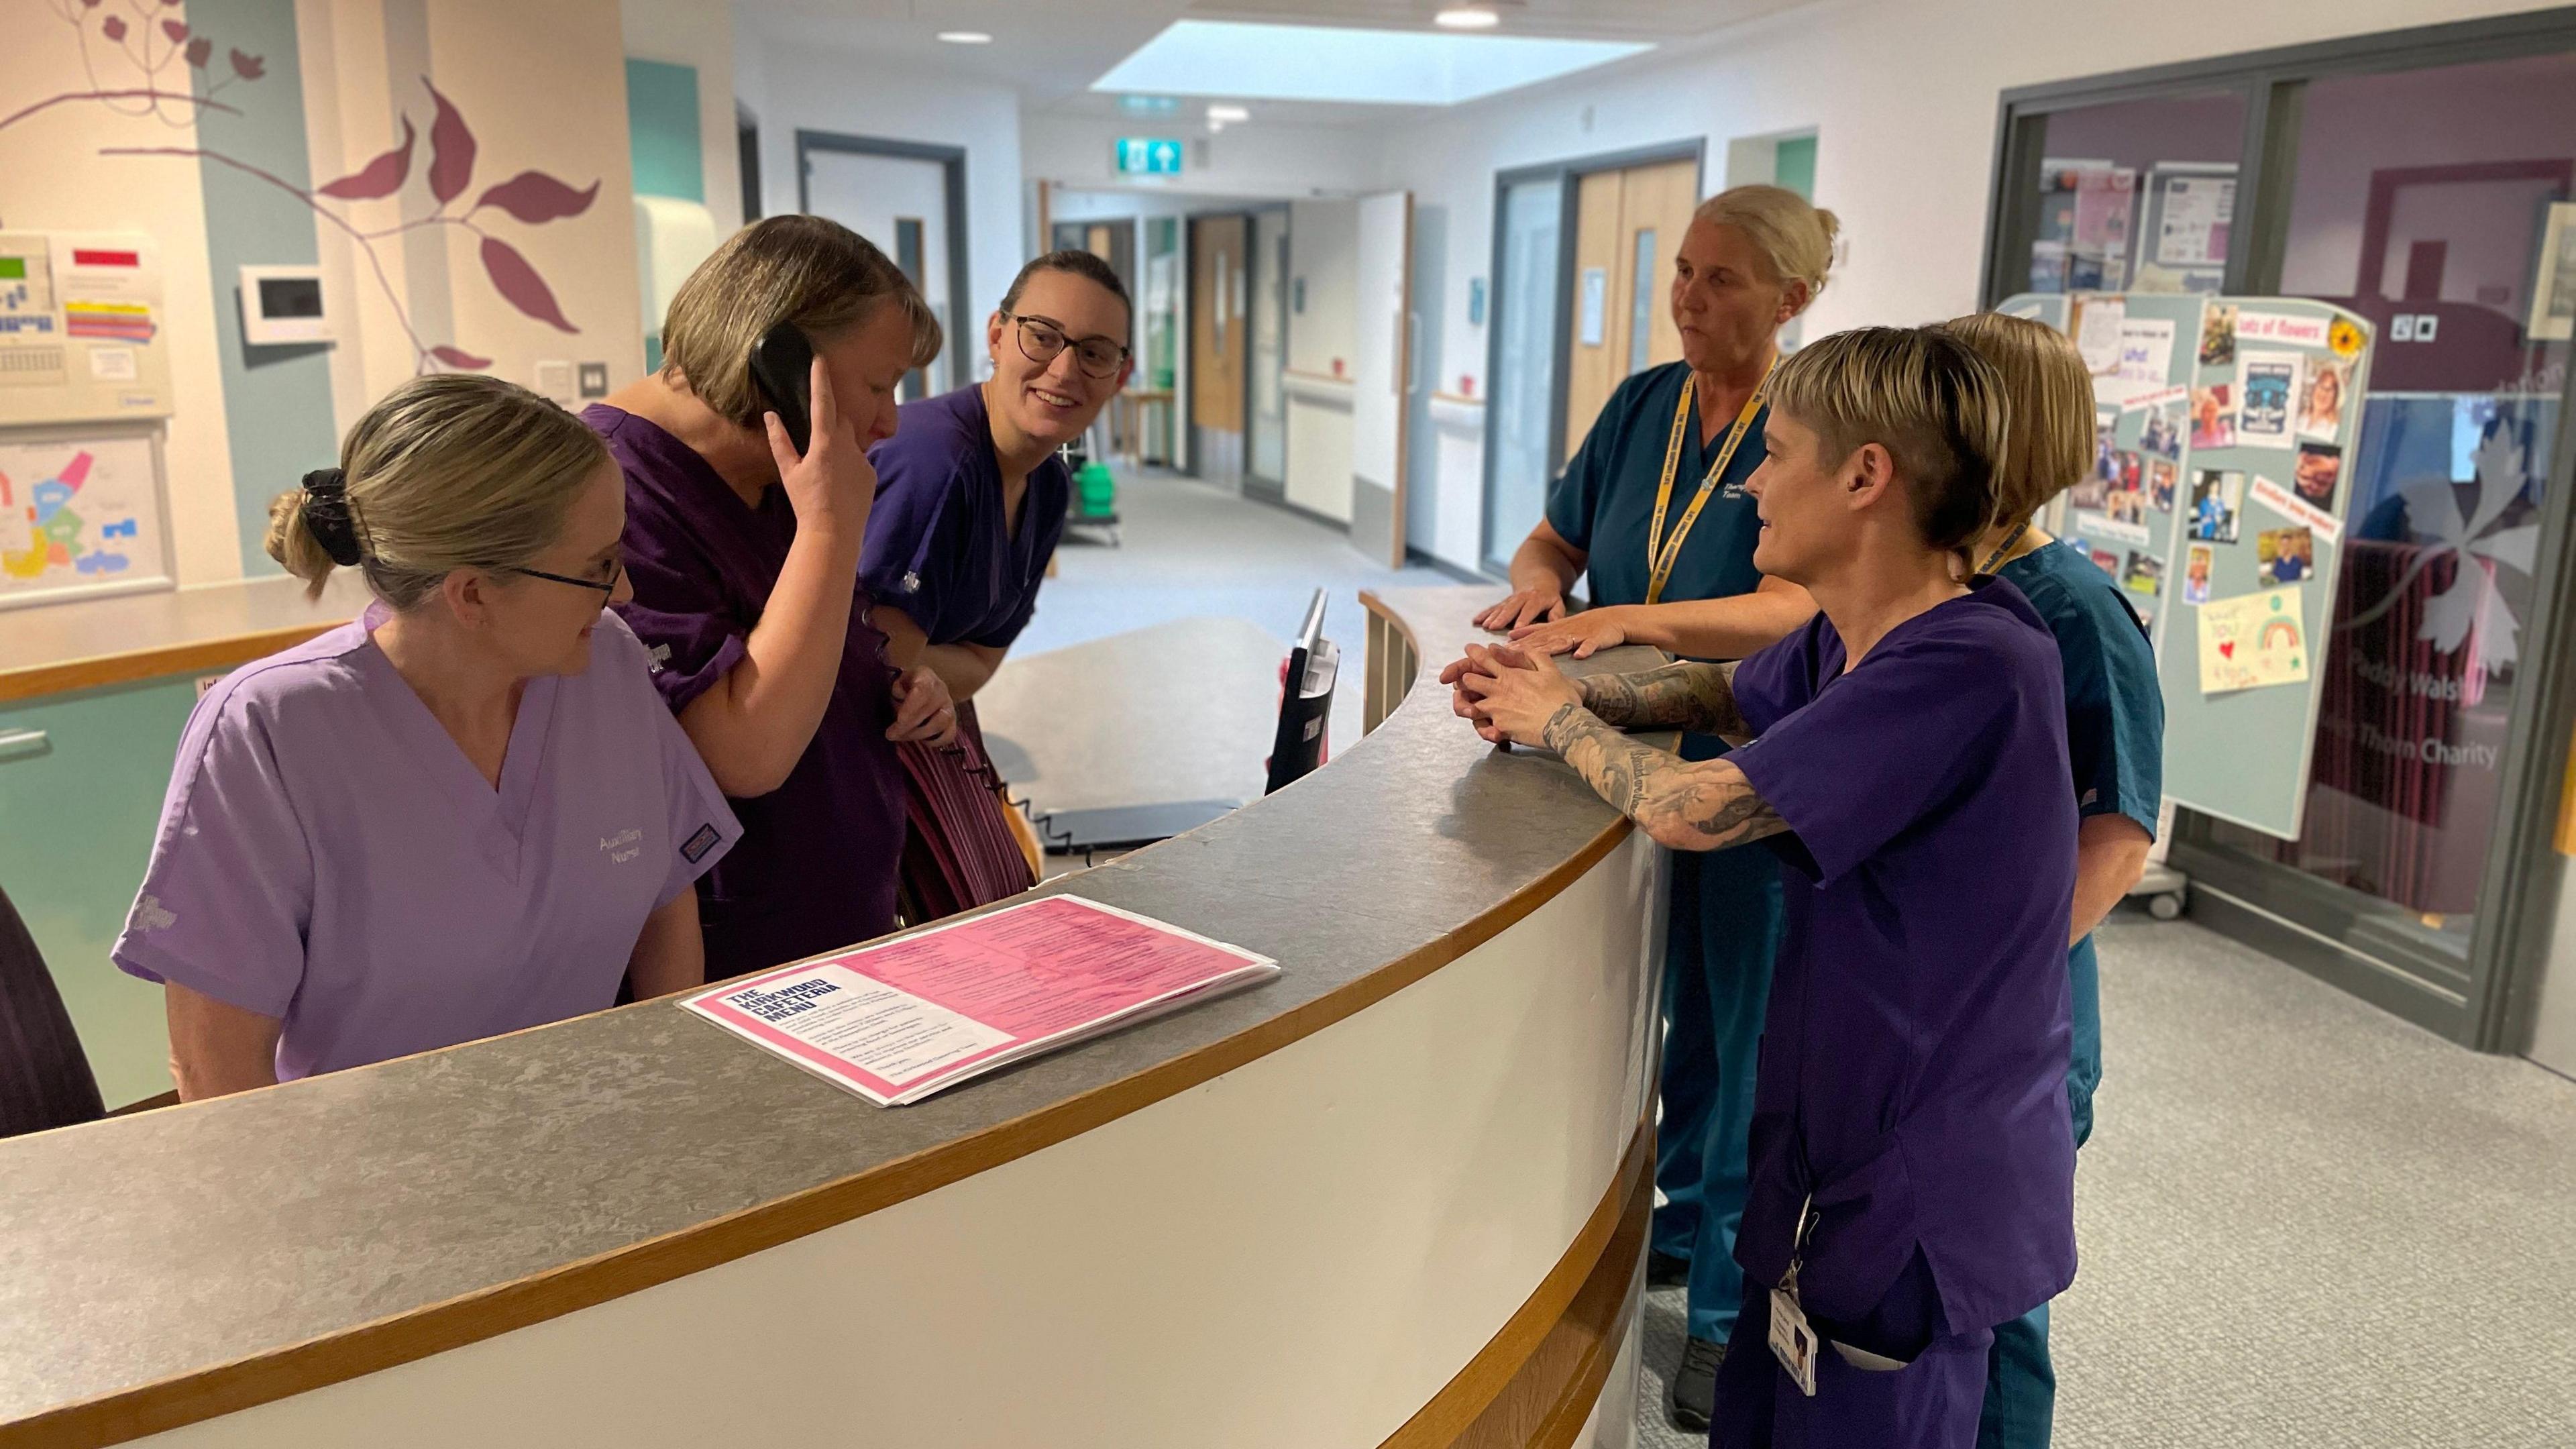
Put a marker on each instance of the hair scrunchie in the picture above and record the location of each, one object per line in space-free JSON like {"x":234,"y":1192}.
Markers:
{"x":327,"y":516}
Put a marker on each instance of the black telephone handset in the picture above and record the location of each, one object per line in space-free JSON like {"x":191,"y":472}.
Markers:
{"x":782,"y":365}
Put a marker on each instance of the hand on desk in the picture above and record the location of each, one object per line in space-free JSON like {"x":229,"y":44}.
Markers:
{"x":1526,"y":606}
{"x":1584,"y":634}
{"x":1509,"y":694}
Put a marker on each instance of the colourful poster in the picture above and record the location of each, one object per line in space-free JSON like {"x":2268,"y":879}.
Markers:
{"x":2253,"y":641}
{"x":77,"y":514}
{"x":2268,"y":391}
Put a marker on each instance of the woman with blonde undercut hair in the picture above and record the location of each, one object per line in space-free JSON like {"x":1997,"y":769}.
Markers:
{"x":465,"y":813}
{"x":1653,"y":510}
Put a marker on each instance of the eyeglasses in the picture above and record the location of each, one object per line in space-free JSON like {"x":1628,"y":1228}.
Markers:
{"x":616,"y":574}
{"x":1041,"y":341}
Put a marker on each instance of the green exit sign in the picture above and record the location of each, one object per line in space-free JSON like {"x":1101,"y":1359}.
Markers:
{"x":1149,"y":156}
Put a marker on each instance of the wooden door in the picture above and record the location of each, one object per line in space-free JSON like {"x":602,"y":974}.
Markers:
{"x":1657,"y":206}
{"x":1588,"y":371}
{"x":1217,"y":325}
{"x":1628,"y":227}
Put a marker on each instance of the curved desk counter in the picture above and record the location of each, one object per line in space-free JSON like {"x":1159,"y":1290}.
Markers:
{"x":1396,"y":1196}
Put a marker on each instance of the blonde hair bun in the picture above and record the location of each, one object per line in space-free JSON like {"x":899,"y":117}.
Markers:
{"x":447,"y":471}
{"x":1794,"y":237}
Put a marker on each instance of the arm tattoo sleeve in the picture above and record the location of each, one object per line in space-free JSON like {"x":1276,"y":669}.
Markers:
{"x":1696,"y":697}
{"x":1687,"y":806}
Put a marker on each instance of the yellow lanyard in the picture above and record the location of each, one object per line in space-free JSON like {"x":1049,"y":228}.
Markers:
{"x":1661,"y":552}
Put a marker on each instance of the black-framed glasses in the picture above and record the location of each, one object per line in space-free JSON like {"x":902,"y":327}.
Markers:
{"x":1041,"y":341}
{"x":616,"y":574}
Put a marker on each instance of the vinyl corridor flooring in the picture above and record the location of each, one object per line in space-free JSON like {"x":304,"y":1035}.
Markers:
{"x":2301,"y":1222}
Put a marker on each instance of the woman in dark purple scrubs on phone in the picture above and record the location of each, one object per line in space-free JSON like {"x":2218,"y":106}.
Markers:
{"x":744,"y":557}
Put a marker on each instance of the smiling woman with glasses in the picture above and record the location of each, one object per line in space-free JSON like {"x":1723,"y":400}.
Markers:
{"x":465,"y":813}
{"x":973,"y":504}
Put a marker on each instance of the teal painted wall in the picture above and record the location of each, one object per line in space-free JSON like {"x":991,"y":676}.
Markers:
{"x":662,"y":134}
{"x":277,"y":400}
{"x":662,"y":123}
{"x":97,"y":787}
{"x":1796,"y":165}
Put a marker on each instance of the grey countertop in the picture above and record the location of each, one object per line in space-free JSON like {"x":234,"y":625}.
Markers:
{"x":155,"y":1246}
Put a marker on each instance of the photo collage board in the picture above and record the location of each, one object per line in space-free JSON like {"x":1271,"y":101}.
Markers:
{"x":2224,"y":432}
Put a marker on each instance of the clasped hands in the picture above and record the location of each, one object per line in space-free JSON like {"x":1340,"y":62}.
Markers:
{"x":1509,"y":694}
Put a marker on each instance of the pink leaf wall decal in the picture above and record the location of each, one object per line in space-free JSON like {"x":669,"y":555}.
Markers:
{"x":251,"y":67}
{"x":459,"y":357}
{"x":173,"y":29}
{"x":451,"y":151}
{"x":380,"y":177}
{"x":198,"y":50}
{"x":533,"y":196}
{"x":520,"y":285}
{"x":112,"y":27}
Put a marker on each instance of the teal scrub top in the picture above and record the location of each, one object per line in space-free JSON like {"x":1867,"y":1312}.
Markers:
{"x":2115,"y":733}
{"x":1604,"y":503}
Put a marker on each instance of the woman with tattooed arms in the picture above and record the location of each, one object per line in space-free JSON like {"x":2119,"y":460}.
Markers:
{"x":1912,"y":1159}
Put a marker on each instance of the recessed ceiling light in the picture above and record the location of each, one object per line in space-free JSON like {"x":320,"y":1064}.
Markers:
{"x":1467,"y":17}
{"x":965,"y":37}
{"x":1227,"y":115}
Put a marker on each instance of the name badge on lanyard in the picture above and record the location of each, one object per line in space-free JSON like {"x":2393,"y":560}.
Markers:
{"x":1793,"y":1339}
{"x":1662,"y":552}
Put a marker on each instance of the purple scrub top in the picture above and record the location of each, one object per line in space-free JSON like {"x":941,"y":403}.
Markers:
{"x":816,"y":867}
{"x":1914,"y":1055}
{"x":939,"y":547}
{"x":329,"y":857}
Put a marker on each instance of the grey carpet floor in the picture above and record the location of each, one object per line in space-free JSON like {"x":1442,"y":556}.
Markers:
{"x":2303,"y":1222}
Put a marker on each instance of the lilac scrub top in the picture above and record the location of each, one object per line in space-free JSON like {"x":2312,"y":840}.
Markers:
{"x":816,"y":867}
{"x":329,"y":857}
{"x":939,"y":547}
{"x":1914,"y":1053}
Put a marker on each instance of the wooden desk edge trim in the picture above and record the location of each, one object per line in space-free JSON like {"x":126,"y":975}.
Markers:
{"x":419,"y":1333}
{"x":99,"y":671}
{"x":1594,"y":1267}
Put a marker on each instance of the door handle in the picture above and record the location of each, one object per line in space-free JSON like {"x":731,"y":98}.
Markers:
{"x":23,"y":744}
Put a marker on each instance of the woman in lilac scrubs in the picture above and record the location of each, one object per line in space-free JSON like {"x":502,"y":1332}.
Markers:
{"x":745,"y":563}
{"x":973,"y":506}
{"x":464,"y":814}
{"x":1912,"y":1155}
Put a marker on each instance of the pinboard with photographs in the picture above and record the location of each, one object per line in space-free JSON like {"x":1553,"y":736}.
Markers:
{"x":2224,"y":431}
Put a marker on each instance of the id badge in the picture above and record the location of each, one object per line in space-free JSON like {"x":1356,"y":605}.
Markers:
{"x":1793,"y":1342}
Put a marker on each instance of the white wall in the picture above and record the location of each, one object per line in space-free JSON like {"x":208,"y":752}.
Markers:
{"x":798,"y":85}
{"x":1902,"y":94}
{"x":697,"y":33}
{"x":1256,"y":159}
{"x":1323,"y":347}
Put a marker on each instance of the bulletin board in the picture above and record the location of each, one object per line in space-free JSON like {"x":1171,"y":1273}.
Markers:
{"x":2225,"y":428}
{"x":81,"y":513}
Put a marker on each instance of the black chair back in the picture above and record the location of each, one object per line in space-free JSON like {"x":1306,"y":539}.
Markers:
{"x":45,"y":1079}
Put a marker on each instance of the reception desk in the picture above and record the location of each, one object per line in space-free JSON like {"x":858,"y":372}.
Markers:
{"x":1397,"y":1196}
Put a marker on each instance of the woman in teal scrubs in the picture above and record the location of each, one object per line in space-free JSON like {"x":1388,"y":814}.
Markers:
{"x":1653,"y":509}
{"x":2115,"y":724}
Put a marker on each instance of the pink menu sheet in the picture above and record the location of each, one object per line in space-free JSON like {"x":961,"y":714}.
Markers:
{"x":900,"y":1021}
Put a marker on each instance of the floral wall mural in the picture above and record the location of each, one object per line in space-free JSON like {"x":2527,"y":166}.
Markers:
{"x":141,"y":62}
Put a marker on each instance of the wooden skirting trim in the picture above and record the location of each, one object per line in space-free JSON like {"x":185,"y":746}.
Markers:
{"x":389,"y":1342}
{"x":1535,"y":1382}
{"x":210,"y":656}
